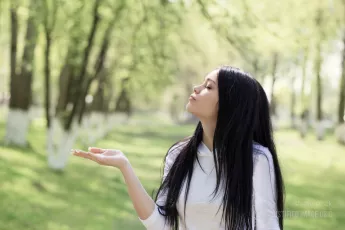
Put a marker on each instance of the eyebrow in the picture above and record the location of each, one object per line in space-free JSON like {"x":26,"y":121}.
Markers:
{"x":209,"y":79}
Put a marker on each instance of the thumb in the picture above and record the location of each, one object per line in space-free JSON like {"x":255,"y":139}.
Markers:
{"x":96,"y":150}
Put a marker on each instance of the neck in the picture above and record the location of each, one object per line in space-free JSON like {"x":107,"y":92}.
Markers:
{"x":208,"y":133}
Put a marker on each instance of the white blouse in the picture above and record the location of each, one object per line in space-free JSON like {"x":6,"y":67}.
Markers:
{"x":201,"y":207}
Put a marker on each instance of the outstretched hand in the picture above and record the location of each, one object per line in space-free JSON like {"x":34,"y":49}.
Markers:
{"x":108,"y":157}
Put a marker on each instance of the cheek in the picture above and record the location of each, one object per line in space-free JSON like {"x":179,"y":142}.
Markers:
{"x":212,"y":104}
{"x":214,"y":101}
{"x":215,"y":104}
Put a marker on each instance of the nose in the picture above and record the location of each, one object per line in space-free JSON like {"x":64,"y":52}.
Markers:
{"x":196,"y":89}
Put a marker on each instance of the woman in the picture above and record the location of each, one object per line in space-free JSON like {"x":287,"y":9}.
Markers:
{"x":226,"y":175}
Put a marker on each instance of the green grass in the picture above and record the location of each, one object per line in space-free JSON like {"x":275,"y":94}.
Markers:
{"x":89,"y":196}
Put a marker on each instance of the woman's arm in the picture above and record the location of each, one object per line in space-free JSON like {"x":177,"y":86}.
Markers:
{"x":142,"y":202}
{"x":266,"y":216}
{"x":156,"y":221}
{"x":144,"y":205}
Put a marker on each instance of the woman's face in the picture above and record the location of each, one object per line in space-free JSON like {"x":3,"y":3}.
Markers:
{"x":203,"y":102}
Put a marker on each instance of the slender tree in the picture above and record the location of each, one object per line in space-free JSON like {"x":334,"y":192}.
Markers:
{"x":48,"y":25}
{"x":273,"y":104}
{"x":21,"y":82}
{"x":341,"y":106}
{"x":317,"y":65}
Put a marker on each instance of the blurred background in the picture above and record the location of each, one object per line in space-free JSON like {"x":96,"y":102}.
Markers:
{"x":118,"y":74}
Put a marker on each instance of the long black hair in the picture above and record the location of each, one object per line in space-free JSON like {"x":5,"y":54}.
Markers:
{"x":243,"y":117}
{"x":263,"y":134}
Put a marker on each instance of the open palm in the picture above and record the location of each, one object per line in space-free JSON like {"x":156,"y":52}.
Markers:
{"x":108,"y":157}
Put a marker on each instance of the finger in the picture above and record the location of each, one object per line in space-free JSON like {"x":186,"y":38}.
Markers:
{"x":96,"y":150}
{"x":80,"y":153}
{"x":87,"y":155}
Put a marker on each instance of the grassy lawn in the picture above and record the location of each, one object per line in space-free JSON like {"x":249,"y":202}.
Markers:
{"x":89,"y":196}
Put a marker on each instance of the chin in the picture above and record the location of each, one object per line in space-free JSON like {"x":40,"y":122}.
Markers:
{"x":189,"y":109}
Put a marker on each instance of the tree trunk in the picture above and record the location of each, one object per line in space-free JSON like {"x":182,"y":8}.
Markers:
{"x":66,"y":82}
{"x":98,"y":103}
{"x":341,"y":106}
{"x":340,"y":130}
{"x":82,"y":91}
{"x":304,"y":75}
{"x":293,"y":103}
{"x":74,"y":84}
{"x":99,"y":68}
{"x":60,"y":140}
{"x":319,"y":112}
{"x":47,"y":78}
{"x":97,"y":113}
{"x":28,"y":60}
{"x":48,"y":29}
{"x":101,"y":101}
{"x":14,"y":38}
{"x":11,"y":134}
{"x":304,"y":126}
{"x":21,"y":83}
{"x":123,"y":103}
{"x":274,"y":78}
{"x":318,"y":62}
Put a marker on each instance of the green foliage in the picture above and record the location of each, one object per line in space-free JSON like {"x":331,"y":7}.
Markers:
{"x":163,"y":43}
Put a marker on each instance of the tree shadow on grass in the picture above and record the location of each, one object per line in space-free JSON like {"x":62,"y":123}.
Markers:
{"x":316,"y":204}
{"x":87,"y":199}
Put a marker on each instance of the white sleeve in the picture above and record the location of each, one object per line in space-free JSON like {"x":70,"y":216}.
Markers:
{"x":266,"y":216}
{"x":156,"y":221}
